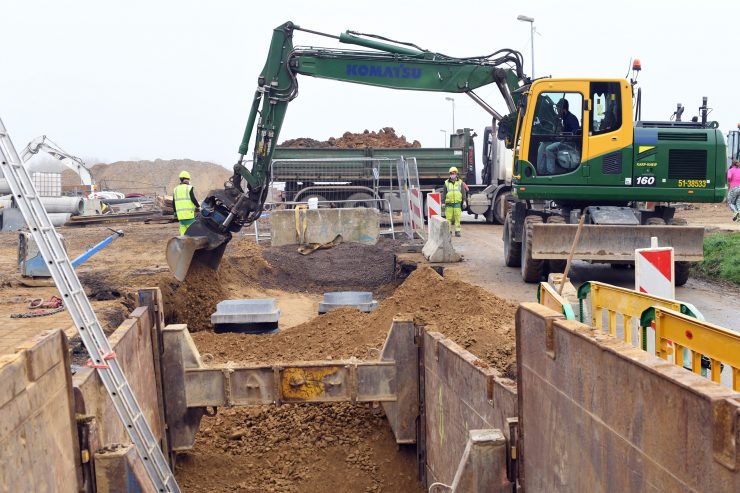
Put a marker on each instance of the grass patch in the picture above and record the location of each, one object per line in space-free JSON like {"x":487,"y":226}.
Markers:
{"x":721,"y":258}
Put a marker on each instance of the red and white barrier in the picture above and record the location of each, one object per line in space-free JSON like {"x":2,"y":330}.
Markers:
{"x":434,"y":204}
{"x":654,"y":271}
{"x":654,"y":274}
{"x":416,"y":207}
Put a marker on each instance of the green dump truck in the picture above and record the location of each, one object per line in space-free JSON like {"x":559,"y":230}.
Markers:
{"x":359,"y":177}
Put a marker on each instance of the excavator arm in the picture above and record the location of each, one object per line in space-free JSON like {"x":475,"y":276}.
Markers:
{"x":387,"y":63}
{"x":74,"y":163}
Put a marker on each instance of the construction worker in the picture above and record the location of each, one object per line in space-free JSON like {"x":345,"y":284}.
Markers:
{"x":454,"y":196}
{"x":186,"y":205}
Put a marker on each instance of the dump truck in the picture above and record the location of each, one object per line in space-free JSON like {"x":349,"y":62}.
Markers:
{"x":362,"y":176}
{"x":601,"y":165}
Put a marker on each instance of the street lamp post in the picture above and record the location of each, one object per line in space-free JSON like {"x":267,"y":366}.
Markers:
{"x":453,"y":112}
{"x":525,"y":18}
{"x":444,"y":137}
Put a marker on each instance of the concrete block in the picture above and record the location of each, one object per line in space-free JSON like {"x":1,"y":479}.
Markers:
{"x":438,"y":247}
{"x":360,"y":225}
{"x":362,"y":300}
{"x":255,"y":311}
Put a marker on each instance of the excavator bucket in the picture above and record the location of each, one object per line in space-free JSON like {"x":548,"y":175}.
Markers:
{"x":199,"y":245}
{"x":609,"y":243}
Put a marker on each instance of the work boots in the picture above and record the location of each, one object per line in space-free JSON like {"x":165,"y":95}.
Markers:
{"x":458,"y":234}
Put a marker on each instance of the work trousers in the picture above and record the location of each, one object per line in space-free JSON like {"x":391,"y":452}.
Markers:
{"x":185,"y":224}
{"x":453,"y":213}
{"x":733,"y":199}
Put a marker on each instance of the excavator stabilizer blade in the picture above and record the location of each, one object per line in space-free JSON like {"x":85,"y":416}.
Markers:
{"x":605,"y":243}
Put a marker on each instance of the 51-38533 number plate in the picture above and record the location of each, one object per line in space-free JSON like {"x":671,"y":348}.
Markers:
{"x":692,"y":183}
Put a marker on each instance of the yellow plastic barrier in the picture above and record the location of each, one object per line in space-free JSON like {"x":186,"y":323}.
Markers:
{"x":719,"y":345}
{"x":626,"y":302}
{"x":547,"y":296}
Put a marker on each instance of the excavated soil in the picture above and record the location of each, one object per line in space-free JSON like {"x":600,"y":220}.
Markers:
{"x":386,"y":137}
{"x":336,"y":447}
{"x":298,"y":449}
{"x":471,"y":316}
{"x":347,"y":267}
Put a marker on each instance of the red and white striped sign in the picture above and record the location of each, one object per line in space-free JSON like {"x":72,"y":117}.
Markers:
{"x":434,"y":204}
{"x":416,"y":208}
{"x":654,"y":273}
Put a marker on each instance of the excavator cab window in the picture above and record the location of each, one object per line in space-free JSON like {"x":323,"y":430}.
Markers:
{"x":557,"y":133}
{"x":607,"y":109}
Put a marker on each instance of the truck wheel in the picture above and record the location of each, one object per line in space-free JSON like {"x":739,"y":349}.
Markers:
{"x":532,"y":269}
{"x":681,"y":270}
{"x":512,"y":249}
{"x":360,"y":199}
{"x":556,"y":265}
{"x":501,"y":207}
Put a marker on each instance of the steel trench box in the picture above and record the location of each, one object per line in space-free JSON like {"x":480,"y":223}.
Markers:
{"x":323,"y":381}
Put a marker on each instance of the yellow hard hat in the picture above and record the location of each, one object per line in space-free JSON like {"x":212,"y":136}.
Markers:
{"x":184,"y":174}
{"x":453,"y":170}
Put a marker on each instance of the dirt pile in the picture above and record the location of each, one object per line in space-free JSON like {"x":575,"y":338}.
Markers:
{"x":348,"y":267}
{"x":471,"y":316}
{"x":150,"y":177}
{"x":296,"y":448}
{"x":195,"y":299}
{"x":384,"y":138}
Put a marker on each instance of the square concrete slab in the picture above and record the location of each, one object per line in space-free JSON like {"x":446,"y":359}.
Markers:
{"x":362,"y":300}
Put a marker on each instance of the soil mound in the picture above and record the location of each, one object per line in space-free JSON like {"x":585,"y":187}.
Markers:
{"x":347,"y":266}
{"x":384,"y":138}
{"x":471,"y":316}
{"x":195,"y":299}
{"x":150,"y":177}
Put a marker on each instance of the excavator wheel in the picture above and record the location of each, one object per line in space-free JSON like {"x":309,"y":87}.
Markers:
{"x":512,"y":249}
{"x":557,"y":266}
{"x":532,"y":269}
{"x":681,"y":270}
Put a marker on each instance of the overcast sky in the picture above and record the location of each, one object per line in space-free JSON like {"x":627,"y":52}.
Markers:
{"x":126,"y":80}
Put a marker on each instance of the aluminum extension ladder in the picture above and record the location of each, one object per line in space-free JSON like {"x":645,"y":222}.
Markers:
{"x":88,"y":326}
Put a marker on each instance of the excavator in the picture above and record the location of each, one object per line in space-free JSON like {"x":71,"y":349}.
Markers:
{"x":620,"y":174}
{"x":388,"y":63}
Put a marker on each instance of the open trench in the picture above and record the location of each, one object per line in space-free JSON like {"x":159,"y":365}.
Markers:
{"x":321,"y":447}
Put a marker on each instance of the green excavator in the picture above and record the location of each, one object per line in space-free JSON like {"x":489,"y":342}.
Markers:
{"x":577,"y":151}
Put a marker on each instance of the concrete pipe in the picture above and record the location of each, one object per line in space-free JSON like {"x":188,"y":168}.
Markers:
{"x":72,"y":205}
{"x":4,"y":187}
{"x":59,"y":218}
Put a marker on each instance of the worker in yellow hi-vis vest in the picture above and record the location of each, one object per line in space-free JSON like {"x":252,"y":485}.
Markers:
{"x":455,"y":197}
{"x":186,"y":205}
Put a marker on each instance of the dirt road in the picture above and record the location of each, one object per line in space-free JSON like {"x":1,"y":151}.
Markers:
{"x":482,"y":248}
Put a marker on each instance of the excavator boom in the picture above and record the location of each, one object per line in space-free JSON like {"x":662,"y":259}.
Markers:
{"x":387,"y":63}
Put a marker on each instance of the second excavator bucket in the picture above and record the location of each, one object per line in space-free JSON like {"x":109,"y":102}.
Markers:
{"x":199,"y":245}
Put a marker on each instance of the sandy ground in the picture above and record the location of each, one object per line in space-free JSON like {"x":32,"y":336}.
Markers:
{"x":712,"y":216}
{"x":328,"y":447}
